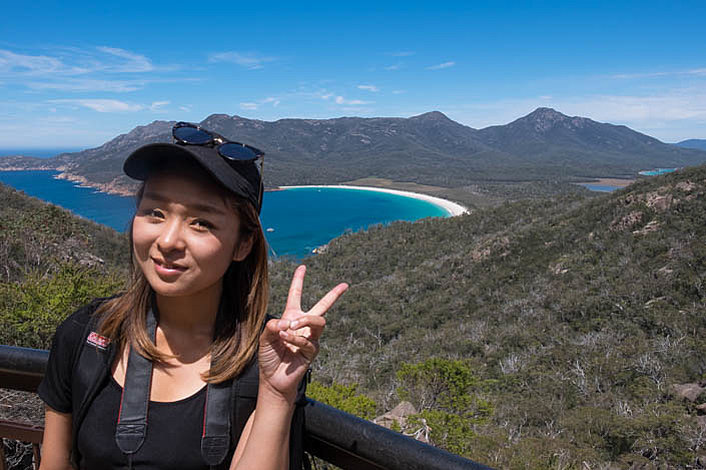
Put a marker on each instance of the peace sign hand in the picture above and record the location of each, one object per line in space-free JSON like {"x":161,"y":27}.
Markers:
{"x":290,"y":344}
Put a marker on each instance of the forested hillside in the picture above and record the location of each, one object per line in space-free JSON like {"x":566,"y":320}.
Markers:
{"x":547,"y":333}
{"x":50,"y":262}
{"x":574,"y":319}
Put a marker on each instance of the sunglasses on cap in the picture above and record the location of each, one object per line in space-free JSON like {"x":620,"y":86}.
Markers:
{"x":187,"y":133}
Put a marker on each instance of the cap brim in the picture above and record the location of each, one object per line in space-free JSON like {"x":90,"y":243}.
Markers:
{"x":163,"y":156}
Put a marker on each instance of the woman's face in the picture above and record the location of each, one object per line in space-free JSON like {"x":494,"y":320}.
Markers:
{"x":185,"y":235}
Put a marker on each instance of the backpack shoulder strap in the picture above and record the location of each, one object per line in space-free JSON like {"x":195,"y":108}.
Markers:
{"x":90,"y":369}
{"x":244,"y":398}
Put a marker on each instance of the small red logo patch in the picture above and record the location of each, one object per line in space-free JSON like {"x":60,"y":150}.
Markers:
{"x":97,"y":340}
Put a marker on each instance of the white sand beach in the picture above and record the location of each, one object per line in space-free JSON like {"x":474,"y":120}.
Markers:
{"x":452,"y":208}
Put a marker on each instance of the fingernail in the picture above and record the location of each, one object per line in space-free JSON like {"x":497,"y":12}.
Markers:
{"x":283,"y":334}
{"x":283,"y":323}
{"x":294,"y":324}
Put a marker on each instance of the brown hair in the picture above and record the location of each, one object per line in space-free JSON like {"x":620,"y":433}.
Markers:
{"x":240,"y":317}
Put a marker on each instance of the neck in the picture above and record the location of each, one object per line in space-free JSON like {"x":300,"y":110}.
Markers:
{"x":194,"y":314}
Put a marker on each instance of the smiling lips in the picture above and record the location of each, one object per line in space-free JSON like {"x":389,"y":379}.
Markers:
{"x":167,"y":269}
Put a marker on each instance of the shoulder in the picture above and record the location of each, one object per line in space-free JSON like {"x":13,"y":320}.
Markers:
{"x":72,"y":329}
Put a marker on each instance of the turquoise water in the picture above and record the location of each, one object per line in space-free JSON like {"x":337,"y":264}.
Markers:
{"x":600,"y":187}
{"x":297,"y":220}
{"x":657,"y":171}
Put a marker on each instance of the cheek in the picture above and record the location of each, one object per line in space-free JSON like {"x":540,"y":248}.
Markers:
{"x":213,"y":251}
{"x":141,"y":238}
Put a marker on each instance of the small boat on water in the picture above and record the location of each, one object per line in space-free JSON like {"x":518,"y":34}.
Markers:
{"x":270,"y":229}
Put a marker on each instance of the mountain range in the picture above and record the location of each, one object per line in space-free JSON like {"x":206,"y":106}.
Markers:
{"x":429,"y":149}
{"x":699,"y":144}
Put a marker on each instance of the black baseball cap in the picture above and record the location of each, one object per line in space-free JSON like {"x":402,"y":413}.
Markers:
{"x":242,"y":178}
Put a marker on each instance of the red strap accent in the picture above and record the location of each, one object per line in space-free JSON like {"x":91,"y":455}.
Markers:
{"x":205,"y":403}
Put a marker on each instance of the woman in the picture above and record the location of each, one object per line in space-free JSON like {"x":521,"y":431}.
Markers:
{"x":179,"y":344}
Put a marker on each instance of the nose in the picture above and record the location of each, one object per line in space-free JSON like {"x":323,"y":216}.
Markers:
{"x":170,"y":238}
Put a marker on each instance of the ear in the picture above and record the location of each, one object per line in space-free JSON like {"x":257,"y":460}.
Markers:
{"x":243,"y":249}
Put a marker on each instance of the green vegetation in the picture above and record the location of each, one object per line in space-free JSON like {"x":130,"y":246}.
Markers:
{"x":343,"y":397}
{"x":541,"y":333}
{"x":51,"y":262}
{"x":36,"y":236}
{"x":577,"y":314}
{"x":33,"y":307}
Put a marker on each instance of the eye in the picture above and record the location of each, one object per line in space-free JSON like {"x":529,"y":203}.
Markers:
{"x":156,"y":213}
{"x":202,"y":224}
{"x":152,"y":213}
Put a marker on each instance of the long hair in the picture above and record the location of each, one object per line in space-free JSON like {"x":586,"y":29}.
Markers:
{"x":240,"y":315}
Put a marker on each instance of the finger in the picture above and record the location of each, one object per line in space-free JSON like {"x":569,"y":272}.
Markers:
{"x":273,"y":327}
{"x":307,"y":320}
{"x":294,"y":299}
{"x":309,"y":348}
{"x":309,"y":326}
{"x":329,"y":299}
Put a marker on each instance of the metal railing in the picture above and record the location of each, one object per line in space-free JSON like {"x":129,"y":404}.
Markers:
{"x":330,"y":434}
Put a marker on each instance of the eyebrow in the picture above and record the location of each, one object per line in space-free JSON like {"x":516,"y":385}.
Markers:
{"x":196,"y":206}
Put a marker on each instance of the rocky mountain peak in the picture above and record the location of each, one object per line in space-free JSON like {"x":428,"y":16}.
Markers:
{"x":543,"y":119}
{"x":432,"y":116}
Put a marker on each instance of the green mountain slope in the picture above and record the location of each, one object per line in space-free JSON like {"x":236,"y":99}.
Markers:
{"x":546,"y":137}
{"x":51,"y":262}
{"x":580,"y":315}
{"x":699,"y":144}
{"x":35,"y":235}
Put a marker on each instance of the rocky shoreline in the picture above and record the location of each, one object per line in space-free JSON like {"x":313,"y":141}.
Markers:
{"x":108,"y":188}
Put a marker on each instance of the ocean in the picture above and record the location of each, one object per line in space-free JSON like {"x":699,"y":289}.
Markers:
{"x":296,"y":220}
{"x":38,"y":153}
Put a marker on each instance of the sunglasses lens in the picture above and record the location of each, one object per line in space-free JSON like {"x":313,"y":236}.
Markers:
{"x":236,"y":152}
{"x":191,"y":135}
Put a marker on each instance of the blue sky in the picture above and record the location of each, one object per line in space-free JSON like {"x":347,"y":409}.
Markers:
{"x":77,"y":75}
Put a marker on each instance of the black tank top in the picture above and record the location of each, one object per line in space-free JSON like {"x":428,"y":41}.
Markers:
{"x":173,"y":439}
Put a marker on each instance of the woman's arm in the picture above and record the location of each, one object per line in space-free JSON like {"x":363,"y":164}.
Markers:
{"x":287,"y":348}
{"x":56,"y":443}
{"x":264,"y":443}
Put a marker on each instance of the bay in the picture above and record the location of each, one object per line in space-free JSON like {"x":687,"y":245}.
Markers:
{"x":603,"y":188}
{"x":296,"y":220}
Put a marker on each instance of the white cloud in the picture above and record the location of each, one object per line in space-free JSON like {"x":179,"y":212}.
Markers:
{"x":74,"y":70}
{"x":133,"y":62}
{"x":444,"y":65}
{"x":402,"y":54}
{"x":34,"y":65}
{"x":102,"y":105}
{"x":275,"y":101}
{"x":342,"y":100}
{"x":74,"y":62}
{"x":158,"y":105}
{"x":80,"y":85}
{"x":249,"y":61}
{"x":372,"y":88}
{"x":693,"y":72}
{"x":326,"y":96}
{"x":186,"y":109}
{"x":249,"y":106}
{"x":398,"y":92}
{"x":394,"y":67}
